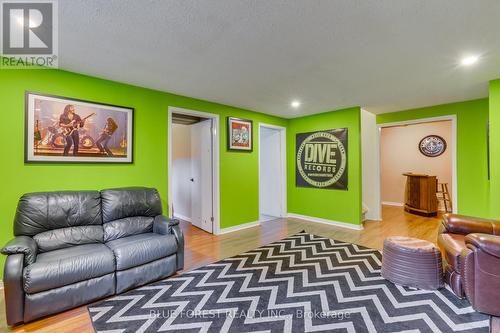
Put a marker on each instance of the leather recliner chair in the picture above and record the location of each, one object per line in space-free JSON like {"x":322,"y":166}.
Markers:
{"x":471,"y":250}
{"x":73,"y":248}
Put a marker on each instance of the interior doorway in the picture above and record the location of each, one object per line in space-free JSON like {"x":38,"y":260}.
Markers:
{"x":193,"y":168}
{"x":418,"y":166}
{"x":272,"y":172}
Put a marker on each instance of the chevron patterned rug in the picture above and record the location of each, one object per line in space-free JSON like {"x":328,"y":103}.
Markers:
{"x":303,"y":283}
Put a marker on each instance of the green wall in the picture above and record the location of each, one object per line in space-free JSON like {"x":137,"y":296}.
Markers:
{"x":472,"y":117}
{"x":495,"y":148}
{"x":336,"y":205}
{"x":238,"y":171}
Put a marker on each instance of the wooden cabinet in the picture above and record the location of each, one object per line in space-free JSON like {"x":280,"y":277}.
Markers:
{"x":420,"y":194}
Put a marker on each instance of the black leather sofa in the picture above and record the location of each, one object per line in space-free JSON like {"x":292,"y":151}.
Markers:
{"x":73,"y":248}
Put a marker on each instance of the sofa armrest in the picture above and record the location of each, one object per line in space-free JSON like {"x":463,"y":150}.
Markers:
{"x":485,"y":242}
{"x":13,"y":288}
{"x":22,"y":245}
{"x":464,"y":225}
{"x":163,"y":225}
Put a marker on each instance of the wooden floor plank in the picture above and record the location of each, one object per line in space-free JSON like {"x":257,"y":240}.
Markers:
{"x":203,"y":248}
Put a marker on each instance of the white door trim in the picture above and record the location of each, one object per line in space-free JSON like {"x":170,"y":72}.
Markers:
{"x":216,"y":160}
{"x":454,"y":180}
{"x":283,"y":165}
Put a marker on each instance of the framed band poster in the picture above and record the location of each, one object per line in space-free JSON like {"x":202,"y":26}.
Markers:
{"x":321,"y":159}
{"x":67,"y":130}
{"x":239,"y":134}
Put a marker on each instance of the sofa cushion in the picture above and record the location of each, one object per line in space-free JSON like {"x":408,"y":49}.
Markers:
{"x":62,"y":267}
{"x":452,"y":246}
{"x":44,"y":211}
{"x":127,"y":202}
{"x":127,"y":227}
{"x":65,"y":237}
{"x":140,"y":249}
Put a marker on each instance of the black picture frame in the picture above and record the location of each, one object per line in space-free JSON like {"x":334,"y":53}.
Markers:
{"x":239,"y":147}
{"x":60,"y":159}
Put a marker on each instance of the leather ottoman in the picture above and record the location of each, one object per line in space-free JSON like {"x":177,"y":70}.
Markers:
{"x":412,"y":262}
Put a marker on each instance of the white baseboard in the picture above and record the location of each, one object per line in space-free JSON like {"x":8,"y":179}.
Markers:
{"x":325,"y":221}
{"x":1,"y":284}
{"x":182,"y":217}
{"x":239,"y":227}
{"x":392,"y":203}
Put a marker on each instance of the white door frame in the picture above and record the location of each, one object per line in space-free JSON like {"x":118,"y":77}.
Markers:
{"x":216,"y":160}
{"x":453,"y":147}
{"x":283,"y":165}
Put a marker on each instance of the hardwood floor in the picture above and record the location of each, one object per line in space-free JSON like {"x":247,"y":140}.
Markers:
{"x":203,"y":248}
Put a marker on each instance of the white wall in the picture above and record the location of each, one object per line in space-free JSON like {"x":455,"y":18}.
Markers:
{"x":399,"y":153}
{"x":370,"y":165}
{"x":181,"y":171}
{"x":270,"y":173}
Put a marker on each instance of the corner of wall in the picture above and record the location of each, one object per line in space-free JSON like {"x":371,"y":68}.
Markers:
{"x":335,"y":205}
{"x":494,"y":148}
{"x":370,"y":177}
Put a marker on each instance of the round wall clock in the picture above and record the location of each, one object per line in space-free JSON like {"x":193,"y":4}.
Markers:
{"x":432,"y":145}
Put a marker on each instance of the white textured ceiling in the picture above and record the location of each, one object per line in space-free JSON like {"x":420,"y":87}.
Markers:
{"x":383,"y":55}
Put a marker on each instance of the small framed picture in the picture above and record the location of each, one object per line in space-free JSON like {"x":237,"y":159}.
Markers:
{"x":61,"y":129}
{"x":239,"y":134}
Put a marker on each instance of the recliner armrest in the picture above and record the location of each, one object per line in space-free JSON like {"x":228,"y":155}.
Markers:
{"x":485,"y":242}
{"x":163,"y":225}
{"x":13,"y":288}
{"x":22,"y":245}
{"x":464,"y":225}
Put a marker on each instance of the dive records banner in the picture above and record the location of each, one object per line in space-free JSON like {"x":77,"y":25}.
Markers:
{"x":322,"y":159}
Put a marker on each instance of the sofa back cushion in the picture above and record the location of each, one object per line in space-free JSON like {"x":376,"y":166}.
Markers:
{"x":129,"y":211}
{"x":60,"y":219}
{"x":66,"y":237}
{"x":127,"y":226}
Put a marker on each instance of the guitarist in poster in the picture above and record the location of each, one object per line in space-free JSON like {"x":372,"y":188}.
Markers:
{"x":107,"y":132}
{"x":70,"y":122}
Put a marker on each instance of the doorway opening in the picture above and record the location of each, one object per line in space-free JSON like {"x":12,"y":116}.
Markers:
{"x":418,"y":167}
{"x":272,"y":172}
{"x":193,"y":168}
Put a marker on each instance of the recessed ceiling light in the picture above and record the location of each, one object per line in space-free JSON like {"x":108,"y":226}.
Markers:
{"x":469,"y":60}
{"x":295,"y":104}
